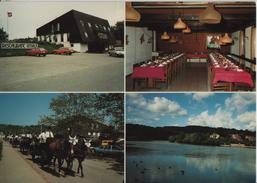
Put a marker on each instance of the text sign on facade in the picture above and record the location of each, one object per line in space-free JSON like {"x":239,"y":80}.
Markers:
{"x":19,"y":45}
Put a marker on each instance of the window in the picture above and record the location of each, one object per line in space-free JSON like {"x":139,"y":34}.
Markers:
{"x":82,"y":23}
{"x":104,"y":27}
{"x":96,"y":26}
{"x":52,"y":28}
{"x":86,"y":35}
{"x":89,"y":25}
{"x":61,"y":37}
{"x":58,"y":26}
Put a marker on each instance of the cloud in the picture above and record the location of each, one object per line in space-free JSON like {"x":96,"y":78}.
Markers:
{"x":224,"y":118}
{"x":152,"y":110}
{"x":240,"y":101}
{"x":201,"y":96}
{"x":164,"y":106}
{"x":217,"y":105}
{"x":220,"y":118}
{"x":247,"y":120}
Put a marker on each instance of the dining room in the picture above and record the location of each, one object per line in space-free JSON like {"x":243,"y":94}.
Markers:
{"x":190,"y":46}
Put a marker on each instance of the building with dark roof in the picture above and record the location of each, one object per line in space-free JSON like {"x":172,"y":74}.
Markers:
{"x":79,"y":31}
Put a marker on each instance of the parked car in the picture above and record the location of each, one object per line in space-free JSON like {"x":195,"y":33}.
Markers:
{"x":63,"y":51}
{"x":116,"y":52}
{"x":37,"y":52}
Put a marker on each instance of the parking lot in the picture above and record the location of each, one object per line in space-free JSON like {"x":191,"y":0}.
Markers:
{"x":78,"y":72}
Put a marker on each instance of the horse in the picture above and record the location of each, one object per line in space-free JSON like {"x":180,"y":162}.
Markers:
{"x":35,"y":149}
{"x":79,"y":153}
{"x":25,"y":144}
{"x":57,"y":149}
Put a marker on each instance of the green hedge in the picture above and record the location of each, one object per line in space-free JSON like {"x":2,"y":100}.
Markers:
{"x":16,"y":52}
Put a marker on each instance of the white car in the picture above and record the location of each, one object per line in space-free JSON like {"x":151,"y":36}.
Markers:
{"x":117,"y":52}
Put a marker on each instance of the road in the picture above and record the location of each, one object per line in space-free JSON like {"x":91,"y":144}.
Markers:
{"x":78,"y":72}
{"x":15,"y":167}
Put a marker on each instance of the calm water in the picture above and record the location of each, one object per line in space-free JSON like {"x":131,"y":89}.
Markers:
{"x":160,"y":161}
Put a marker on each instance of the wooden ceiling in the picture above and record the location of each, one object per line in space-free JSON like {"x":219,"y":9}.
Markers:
{"x":162,"y":16}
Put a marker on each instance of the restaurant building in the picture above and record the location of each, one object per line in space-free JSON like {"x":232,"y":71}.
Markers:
{"x":79,"y":31}
{"x":190,"y":46}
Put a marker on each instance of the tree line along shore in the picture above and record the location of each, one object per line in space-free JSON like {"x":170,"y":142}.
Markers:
{"x":197,"y":135}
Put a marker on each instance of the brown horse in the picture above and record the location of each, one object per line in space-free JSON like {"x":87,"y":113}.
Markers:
{"x":57,"y":149}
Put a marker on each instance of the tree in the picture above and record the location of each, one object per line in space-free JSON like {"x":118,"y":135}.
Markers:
{"x":118,"y":31}
{"x":3,"y":35}
{"x":106,"y":108}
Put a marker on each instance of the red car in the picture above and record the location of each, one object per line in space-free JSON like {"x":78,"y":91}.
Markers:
{"x":63,"y":51}
{"x":37,"y":52}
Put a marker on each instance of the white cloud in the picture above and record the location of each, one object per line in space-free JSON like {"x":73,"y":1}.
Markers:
{"x":240,"y":101}
{"x":137,"y":99}
{"x":221,"y":118}
{"x":247,"y":120}
{"x":163,"y":105}
{"x":201,"y":96}
{"x":224,"y":118}
{"x":152,"y":110}
{"x":217,"y":105}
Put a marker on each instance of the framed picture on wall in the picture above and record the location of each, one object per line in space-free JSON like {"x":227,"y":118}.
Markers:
{"x":213,"y":41}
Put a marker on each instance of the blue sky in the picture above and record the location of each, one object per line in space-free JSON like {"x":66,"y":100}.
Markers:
{"x":236,"y":110}
{"x":24,"y":108}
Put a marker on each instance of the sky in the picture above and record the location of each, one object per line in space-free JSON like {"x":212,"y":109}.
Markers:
{"x":237,"y":110}
{"x":24,"y":108}
{"x":28,"y":16}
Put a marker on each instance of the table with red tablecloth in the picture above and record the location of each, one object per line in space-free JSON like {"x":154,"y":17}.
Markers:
{"x":196,"y":56}
{"x":154,"y":72}
{"x":199,"y":56}
{"x":150,"y":73}
{"x":232,"y":76}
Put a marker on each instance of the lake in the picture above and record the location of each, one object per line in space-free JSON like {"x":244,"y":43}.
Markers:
{"x":165,"y":162}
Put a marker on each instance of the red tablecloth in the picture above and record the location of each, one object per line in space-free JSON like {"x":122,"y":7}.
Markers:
{"x":149,"y":72}
{"x":191,"y":56}
{"x":221,"y":74}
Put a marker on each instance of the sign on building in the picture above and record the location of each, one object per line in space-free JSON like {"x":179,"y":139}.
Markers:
{"x":19,"y":45}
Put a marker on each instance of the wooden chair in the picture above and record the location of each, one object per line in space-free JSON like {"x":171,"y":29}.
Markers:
{"x":221,"y":86}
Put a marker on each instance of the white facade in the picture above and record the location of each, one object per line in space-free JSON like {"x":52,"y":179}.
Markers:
{"x":52,"y":39}
{"x":63,"y":39}
{"x":136,"y":49}
{"x":80,"y":47}
{"x":58,"y":36}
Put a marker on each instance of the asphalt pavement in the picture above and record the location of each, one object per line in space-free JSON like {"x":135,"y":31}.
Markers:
{"x":18,"y":168}
{"x":78,"y":72}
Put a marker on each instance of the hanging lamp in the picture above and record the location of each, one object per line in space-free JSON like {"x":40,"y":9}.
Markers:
{"x":226,"y":38}
{"x":187,"y":30}
{"x":210,"y":15}
{"x":179,"y":24}
{"x":173,"y":39}
{"x":165,"y":36}
{"x":221,"y":43}
{"x":132,"y":15}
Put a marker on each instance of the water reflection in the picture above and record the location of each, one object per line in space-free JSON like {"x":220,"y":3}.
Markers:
{"x":166,"y":162}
